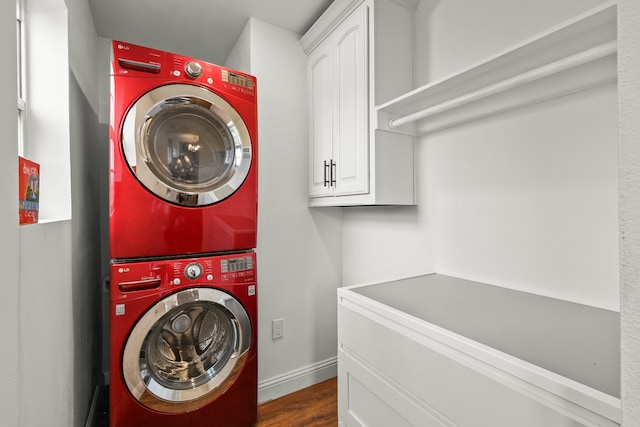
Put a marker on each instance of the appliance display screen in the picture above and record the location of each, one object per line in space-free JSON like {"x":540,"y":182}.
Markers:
{"x":236,"y":264}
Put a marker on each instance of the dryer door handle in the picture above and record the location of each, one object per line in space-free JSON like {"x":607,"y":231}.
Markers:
{"x":139,"y":285}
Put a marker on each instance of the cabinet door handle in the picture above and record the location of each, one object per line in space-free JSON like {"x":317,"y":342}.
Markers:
{"x":333,"y":173}
{"x":326,"y":180}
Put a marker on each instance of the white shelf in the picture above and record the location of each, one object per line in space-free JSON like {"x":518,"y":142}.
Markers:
{"x":576,"y":55}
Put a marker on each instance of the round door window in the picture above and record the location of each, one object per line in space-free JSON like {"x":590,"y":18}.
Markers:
{"x":186,"y":145}
{"x":186,"y":350}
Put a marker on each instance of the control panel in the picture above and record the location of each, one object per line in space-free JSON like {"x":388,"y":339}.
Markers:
{"x":151,"y":275}
{"x":132,"y":60}
{"x":227,"y":269}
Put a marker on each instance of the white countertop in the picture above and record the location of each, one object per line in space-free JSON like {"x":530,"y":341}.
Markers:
{"x":579,"y":342}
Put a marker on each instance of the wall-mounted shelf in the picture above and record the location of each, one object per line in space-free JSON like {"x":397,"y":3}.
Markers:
{"x":576,"y":55}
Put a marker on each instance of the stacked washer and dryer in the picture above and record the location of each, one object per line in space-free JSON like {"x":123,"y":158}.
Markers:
{"x":183,"y":214}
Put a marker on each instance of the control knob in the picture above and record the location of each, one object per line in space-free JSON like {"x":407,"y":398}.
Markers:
{"x":193,"y":271}
{"x":193,"y":69}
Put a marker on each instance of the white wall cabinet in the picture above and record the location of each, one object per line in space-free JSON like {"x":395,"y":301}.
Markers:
{"x":349,"y":71}
{"x":338,"y":95}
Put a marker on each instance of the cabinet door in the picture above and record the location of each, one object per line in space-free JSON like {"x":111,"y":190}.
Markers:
{"x":350,"y":112}
{"x":320,"y":130}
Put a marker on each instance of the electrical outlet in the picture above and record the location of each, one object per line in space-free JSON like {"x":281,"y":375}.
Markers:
{"x":277,"y":329}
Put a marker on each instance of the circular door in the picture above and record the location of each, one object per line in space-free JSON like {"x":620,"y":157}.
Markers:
{"x":186,"y":145}
{"x":186,"y":350}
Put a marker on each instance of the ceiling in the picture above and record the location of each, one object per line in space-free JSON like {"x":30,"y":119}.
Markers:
{"x":203,"y":29}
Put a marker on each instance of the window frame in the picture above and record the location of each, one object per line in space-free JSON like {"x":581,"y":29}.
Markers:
{"x":21,"y":76}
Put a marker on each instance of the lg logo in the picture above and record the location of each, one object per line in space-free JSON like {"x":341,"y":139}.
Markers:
{"x":123,"y":47}
{"x":123,"y":270}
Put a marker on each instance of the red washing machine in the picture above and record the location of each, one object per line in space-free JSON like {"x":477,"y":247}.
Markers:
{"x":183,"y":176}
{"x":184,"y":342}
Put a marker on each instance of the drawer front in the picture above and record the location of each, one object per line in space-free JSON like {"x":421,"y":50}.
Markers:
{"x":365,"y":399}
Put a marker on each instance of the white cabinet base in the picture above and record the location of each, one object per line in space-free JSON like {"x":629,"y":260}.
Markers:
{"x":369,"y":400}
{"x":399,"y":369}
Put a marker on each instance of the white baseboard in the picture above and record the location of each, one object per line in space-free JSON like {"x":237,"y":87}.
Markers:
{"x":297,"y":379}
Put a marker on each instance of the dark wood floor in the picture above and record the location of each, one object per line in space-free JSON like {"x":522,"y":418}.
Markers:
{"x":315,"y":406}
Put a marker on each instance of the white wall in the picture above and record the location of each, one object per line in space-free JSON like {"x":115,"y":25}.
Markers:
{"x":240,"y":57}
{"x":9,"y":242}
{"x":299,"y":252}
{"x":526,"y":199}
{"x":456,"y":34}
{"x":46,"y":325}
{"x":629,"y":80}
{"x":387,"y":243}
{"x":48,"y":278}
{"x":84,"y":55}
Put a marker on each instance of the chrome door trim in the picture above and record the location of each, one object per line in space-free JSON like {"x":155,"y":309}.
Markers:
{"x":136,"y":127}
{"x":156,"y":396}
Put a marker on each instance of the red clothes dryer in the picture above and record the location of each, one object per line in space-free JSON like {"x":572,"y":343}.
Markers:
{"x":184,"y":343}
{"x":183,"y":137}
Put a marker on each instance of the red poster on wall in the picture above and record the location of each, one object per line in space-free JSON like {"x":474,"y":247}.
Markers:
{"x":28,"y":190}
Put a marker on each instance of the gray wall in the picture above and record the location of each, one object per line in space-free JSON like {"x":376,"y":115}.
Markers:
{"x":9,"y":241}
{"x":629,"y":116}
{"x":51,"y":278}
{"x":85,"y":245}
{"x":88,"y":169}
{"x":299,"y":249}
